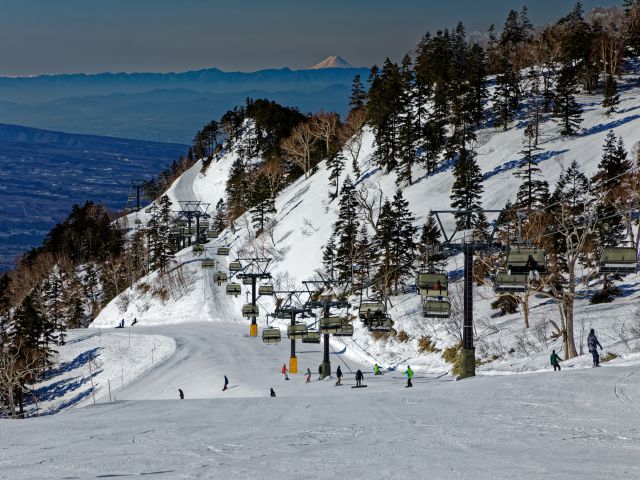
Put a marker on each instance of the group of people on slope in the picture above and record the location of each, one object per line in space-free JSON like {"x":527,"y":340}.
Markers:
{"x":592,"y":345}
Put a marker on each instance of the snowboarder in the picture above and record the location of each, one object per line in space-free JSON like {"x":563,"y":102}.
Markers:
{"x":273,"y":392}
{"x":359,"y":378}
{"x":226,"y":383}
{"x":555,"y":361}
{"x":122,"y":323}
{"x":135,"y":320}
{"x":320,"y":372}
{"x":285,"y":371}
{"x":593,"y":344}
{"x":376,"y":370}
{"x":181,"y":393}
{"x":308,"y":375}
{"x":339,"y":375}
{"x":409,"y":374}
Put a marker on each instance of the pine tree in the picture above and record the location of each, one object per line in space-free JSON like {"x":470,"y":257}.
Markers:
{"x":428,"y":246}
{"x":363,"y":257}
{"x":336,"y":167}
{"x":535,"y":103}
{"x":506,"y":97}
{"x":612,"y":167}
{"x":532,"y":193}
{"x":358,"y":94}
{"x":466,"y":191}
{"x":265,"y":206}
{"x":346,"y":232}
{"x":566,"y":110}
{"x":329,"y":257}
{"x":403,"y":240}
{"x":219,"y":217}
{"x":611,"y":98}
{"x":382,"y":245}
{"x":407,"y":128}
{"x":477,"y":93}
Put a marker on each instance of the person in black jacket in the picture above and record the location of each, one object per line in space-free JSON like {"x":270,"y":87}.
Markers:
{"x":273,"y":392}
{"x":181,"y":393}
{"x":359,"y":378}
{"x":339,"y":375}
{"x":593,"y":344}
{"x":226,"y":383}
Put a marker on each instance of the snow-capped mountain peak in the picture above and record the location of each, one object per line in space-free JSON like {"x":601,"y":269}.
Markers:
{"x":332,"y":61}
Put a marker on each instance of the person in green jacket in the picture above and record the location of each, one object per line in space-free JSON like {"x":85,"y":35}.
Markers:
{"x":555,"y":361}
{"x":376,"y":370}
{"x":409,"y":374}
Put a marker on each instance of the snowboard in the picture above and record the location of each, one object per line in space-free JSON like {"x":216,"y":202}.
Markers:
{"x":361,"y":386}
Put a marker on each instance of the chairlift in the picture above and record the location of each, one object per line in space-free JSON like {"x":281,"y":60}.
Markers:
{"x":198,"y":249}
{"x":223,"y":251}
{"x":297,"y":331}
{"x":251,"y":311}
{"x":266,"y":290}
{"x":247,"y":281}
{"x":510,"y":282}
{"x":220,"y":277}
{"x":383,"y":325}
{"x":346,"y":330}
{"x":436,"y":308}
{"x":211,"y":234}
{"x":524,"y":260}
{"x":233,"y":289}
{"x":235,"y":266}
{"x":208,"y":263}
{"x":137,"y":221}
{"x":182,"y":224}
{"x":271,"y":335}
{"x":312,"y":336}
{"x":331,"y":324}
{"x":620,"y":260}
{"x":432,"y":284}
{"x":204,"y":224}
{"x":370,"y":311}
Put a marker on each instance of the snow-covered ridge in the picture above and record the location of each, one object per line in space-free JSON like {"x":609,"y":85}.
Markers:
{"x":305,"y":219}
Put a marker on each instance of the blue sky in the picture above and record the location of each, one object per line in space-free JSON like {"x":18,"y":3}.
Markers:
{"x":56,"y":36}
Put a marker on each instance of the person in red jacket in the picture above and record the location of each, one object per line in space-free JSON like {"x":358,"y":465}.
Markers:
{"x":285,"y":371}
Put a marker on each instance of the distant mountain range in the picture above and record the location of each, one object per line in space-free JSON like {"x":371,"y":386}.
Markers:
{"x":43,"y":173}
{"x":166,"y":106}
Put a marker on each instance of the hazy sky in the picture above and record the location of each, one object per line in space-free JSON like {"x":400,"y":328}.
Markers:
{"x":55,"y":36}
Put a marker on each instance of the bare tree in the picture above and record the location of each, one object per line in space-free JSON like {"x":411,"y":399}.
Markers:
{"x":18,"y":367}
{"x":352,"y":133}
{"x":298,"y":146}
{"x":370,"y":200}
{"x":324,"y":127}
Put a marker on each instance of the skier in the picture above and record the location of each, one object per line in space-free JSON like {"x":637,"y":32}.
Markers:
{"x":376,"y":370}
{"x":339,"y":375}
{"x":226,"y":383}
{"x":593,"y":344}
{"x":555,"y":361}
{"x":359,"y":378}
{"x":409,"y":374}
{"x":135,"y":320}
{"x":273,"y":392}
{"x":308,"y":375}
{"x":181,"y":393}
{"x":320,"y":372}
{"x":284,"y":371}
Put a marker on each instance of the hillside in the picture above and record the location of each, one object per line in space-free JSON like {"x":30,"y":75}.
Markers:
{"x":304,"y":224}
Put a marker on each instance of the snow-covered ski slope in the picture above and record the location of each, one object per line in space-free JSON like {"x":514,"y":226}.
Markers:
{"x":304,"y":224}
{"x":571,"y":424}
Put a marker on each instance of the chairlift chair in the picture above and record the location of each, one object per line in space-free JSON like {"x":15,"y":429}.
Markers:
{"x":265,"y":290}
{"x":223,"y":251}
{"x":524,"y":260}
{"x":233,"y":289}
{"x":434,"y":308}
{"x":247,"y":281}
{"x":510,"y":282}
{"x":346,"y":330}
{"x":182,"y":224}
{"x":137,"y":221}
{"x":331,"y":324}
{"x":204,"y":224}
{"x":250,"y":310}
{"x":312,"y":336}
{"x":297,"y":331}
{"x":621,"y":260}
{"x":369,"y":311}
{"x":432,"y":284}
{"x":198,"y":249}
{"x":383,"y":325}
{"x":211,"y":234}
{"x":235,"y":266}
{"x":271,"y":335}
{"x":208,"y":263}
{"x":220,"y":278}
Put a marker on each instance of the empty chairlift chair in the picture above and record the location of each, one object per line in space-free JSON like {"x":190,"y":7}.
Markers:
{"x":265,"y":290}
{"x":370,"y":311}
{"x":212,"y":234}
{"x":233,"y":289}
{"x":432,"y":284}
{"x":235,"y":266}
{"x":198,"y":249}
{"x":224,"y":251}
{"x":621,"y":260}
{"x":297,"y":331}
{"x":331,"y":324}
{"x":513,"y":283}
{"x":204,"y":224}
{"x":312,"y":336}
{"x":208,"y":263}
{"x":435,"y":308}
{"x":247,"y":281}
{"x":250,"y":311}
{"x":346,"y":330}
{"x":220,"y":278}
{"x":271,"y":335}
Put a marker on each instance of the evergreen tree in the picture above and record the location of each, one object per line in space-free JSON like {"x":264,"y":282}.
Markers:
{"x":363,"y":258}
{"x":382,"y":246}
{"x":159,"y":238}
{"x":506,"y":96}
{"x":329,"y":257}
{"x":219,"y":217}
{"x":403,"y":239}
{"x":429,"y":244}
{"x":265,"y":206}
{"x":566,"y":110}
{"x":346,"y":232}
{"x":477,"y":92}
{"x":533,"y":192}
{"x":358,"y":94}
{"x":336,"y":167}
{"x":407,"y":129}
{"x":466,"y":191}
{"x":612,"y":167}
{"x":611,"y":98}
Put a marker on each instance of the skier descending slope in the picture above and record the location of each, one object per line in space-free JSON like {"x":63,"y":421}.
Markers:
{"x":308,"y":375}
{"x":226,"y":383}
{"x":593,"y":343}
{"x":555,"y":361}
{"x":409,"y":374}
